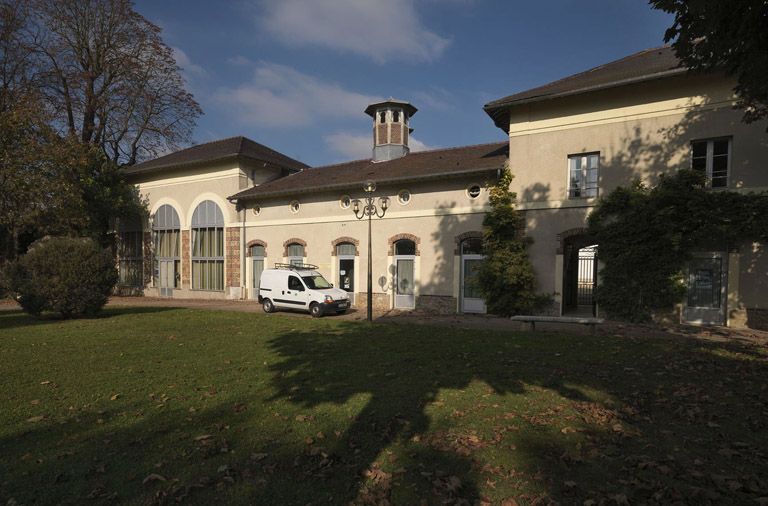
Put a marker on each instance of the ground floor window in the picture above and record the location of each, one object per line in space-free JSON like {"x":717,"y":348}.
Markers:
{"x":208,"y":258}
{"x":295,"y":254}
{"x":130,"y":258}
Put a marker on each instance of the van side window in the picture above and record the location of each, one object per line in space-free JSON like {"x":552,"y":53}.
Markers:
{"x":294,"y":283}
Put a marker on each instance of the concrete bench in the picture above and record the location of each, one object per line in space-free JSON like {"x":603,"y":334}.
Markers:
{"x":532,"y":320}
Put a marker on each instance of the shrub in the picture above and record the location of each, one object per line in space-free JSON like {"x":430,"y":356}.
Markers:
{"x":647,"y":235}
{"x":506,"y":277}
{"x":70,"y":276}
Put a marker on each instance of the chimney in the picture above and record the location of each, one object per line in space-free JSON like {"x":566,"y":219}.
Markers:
{"x":390,"y":128}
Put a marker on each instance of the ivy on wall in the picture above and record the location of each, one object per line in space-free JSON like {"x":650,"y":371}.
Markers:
{"x":506,"y":277}
{"x":646,"y":236}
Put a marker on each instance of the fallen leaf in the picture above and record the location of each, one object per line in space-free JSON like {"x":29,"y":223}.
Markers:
{"x":114,"y":397}
{"x":203,"y":437}
{"x":153,"y":477}
{"x":36,"y":419}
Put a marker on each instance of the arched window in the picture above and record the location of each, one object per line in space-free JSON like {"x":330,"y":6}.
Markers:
{"x":129,"y":252}
{"x":257,"y":252}
{"x":207,"y":247}
{"x":405,"y":247}
{"x":166,"y":229}
{"x":346,"y":248}
{"x":295,"y":253}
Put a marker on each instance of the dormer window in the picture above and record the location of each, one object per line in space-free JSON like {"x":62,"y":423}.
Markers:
{"x":383,"y":117}
{"x":395,"y":116}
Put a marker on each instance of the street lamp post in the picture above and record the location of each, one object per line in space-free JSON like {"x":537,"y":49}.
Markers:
{"x":370,"y":209}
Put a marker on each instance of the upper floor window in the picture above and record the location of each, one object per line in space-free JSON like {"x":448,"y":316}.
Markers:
{"x":382,"y":117}
{"x":395,"y":116}
{"x":582,"y":175}
{"x":712,"y":157}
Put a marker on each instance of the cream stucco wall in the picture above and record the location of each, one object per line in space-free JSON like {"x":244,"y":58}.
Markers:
{"x":437,"y":213}
{"x":640,"y":131}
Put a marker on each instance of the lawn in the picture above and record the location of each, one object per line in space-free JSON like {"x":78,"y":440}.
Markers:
{"x":144,"y":406}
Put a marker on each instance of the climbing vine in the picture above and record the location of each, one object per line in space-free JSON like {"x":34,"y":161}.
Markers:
{"x":506,"y":277}
{"x":648,"y":234}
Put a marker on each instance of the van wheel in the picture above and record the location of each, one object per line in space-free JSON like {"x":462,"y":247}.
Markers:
{"x":315,"y":310}
{"x":268,"y":306}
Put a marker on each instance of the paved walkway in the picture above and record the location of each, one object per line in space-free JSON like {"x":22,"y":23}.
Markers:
{"x":479,"y":322}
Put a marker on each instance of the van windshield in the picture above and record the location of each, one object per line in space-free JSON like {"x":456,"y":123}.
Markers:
{"x":315,"y":282}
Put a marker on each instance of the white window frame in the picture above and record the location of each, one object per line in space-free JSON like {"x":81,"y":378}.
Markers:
{"x":710,"y":159}
{"x":584,"y":170}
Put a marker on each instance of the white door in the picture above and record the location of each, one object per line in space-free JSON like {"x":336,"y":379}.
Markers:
{"x":257,"y":266}
{"x":347,"y":276}
{"x":472,"y":300}
{"x":404,"y":282}
{"x":166,"y":277}
{"x":707,"y":283}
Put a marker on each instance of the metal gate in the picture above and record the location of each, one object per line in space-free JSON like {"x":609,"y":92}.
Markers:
{"x":587,"y":276}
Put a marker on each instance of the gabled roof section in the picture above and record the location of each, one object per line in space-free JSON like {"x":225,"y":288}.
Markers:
{"x":233,"y":147}
{"x":423,"y":165}
{"x":643,"y":66}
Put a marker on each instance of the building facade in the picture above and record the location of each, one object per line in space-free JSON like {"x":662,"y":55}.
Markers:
{"x":221,"y":212}
{"x":578,"y":138}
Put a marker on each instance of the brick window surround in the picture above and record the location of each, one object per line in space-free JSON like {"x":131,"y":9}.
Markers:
{"x":294,"y":240}
{"x":399,"y":237}
{"x":342,"y":240}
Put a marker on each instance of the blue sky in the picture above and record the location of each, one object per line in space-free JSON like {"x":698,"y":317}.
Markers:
{"x":296,"y":75}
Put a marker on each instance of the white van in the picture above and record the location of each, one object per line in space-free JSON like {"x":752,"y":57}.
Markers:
{"x":300,"y":286}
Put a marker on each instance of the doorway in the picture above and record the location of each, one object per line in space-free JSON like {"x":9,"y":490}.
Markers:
{"x":580,"y":277}
{"x":256,"y":253}
{"x":470,"y":297}
{"x":707,"y":283}
{"x":345,"y":256}
{"x":166,"y":277}
{"x":405,"y":260}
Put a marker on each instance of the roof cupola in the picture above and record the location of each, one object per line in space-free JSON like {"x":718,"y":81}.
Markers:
{"x":391,"y":120}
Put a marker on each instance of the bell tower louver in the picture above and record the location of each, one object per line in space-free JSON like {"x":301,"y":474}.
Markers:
{"x":391,"y":120}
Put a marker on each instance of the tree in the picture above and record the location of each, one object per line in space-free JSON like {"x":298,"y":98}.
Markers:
{"x":107,"y":76}
{"x":730,"y":36}
{"x":506,"y":277}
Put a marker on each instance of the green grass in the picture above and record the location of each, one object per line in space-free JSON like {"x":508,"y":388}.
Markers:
{"x":144,"y":406}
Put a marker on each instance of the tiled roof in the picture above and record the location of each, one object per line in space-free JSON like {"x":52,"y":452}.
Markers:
{"x":440,"y":163}
{"x":642,"y":66}
{"x":232,"y":147}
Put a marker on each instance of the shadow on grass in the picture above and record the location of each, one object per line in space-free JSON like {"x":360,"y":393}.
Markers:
{"x":655,"y":421}
{"x":16,"y":318}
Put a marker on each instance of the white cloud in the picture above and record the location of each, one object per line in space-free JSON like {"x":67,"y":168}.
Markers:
{"x":188,"y":68}
{"x":280,"y":96}
{"x":383,"y":30}
{"x":358,"y":146}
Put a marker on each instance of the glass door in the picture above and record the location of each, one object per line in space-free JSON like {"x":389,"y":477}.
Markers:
{"x":257,"y":266}
{"x":167,"y":277}
{"x":347,"y":276}
{"x":707,"y":283}
{"x":404,"y":283}
{"x":472,"y":300}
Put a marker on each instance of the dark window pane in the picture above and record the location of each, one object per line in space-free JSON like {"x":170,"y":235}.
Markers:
{"x":473,"y":246}
{"x":699,"y":149}
{"x":257,"y":251}
{"x":721,"y":147}
{"x":405,"y":248}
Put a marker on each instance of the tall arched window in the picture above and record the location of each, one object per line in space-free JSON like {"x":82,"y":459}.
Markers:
{"x":166,"y":229}
{"x":405,"y":259}
{"x":207,"y":247}
{"x":295,"y":254}
{"x":129,"y":252}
